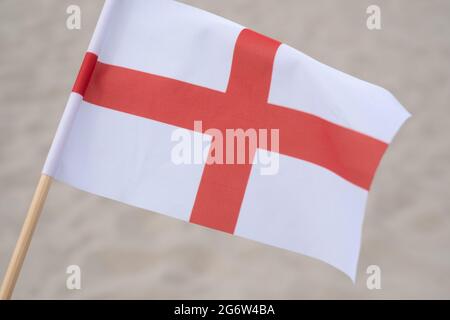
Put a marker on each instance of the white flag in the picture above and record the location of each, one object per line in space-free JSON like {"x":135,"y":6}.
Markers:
{"x":185,"y":113}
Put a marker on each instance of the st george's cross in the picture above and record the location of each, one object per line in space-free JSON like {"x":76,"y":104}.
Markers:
{"x":156,"y":66}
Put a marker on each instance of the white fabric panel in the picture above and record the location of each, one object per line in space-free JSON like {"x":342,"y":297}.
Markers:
{"x":128,"y":158}
{"x":171,"y":39}
{"x":302,"y":83}
{"x":59,"y":141}
{"x":102,"y":26}
{"x":307,"y":209}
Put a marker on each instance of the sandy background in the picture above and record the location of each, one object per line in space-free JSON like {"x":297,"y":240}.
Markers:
{"x":126,"y":252}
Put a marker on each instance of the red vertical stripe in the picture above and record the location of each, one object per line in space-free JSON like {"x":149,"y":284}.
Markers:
{"x":222,"y":187}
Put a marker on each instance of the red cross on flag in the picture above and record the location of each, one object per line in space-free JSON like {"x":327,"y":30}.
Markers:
{"x":184,"y":113}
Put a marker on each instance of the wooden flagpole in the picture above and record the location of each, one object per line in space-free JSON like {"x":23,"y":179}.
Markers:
{"x":20,"y":251}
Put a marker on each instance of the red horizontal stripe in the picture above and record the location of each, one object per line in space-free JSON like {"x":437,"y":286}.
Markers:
{"x":349,"y":154}
{"x":85,"y":73}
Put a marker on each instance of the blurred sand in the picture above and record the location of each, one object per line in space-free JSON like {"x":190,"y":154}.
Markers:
{"x":125,"y":252}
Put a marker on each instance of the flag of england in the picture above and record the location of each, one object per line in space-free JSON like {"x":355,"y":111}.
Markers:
{"x":187,"y":114}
